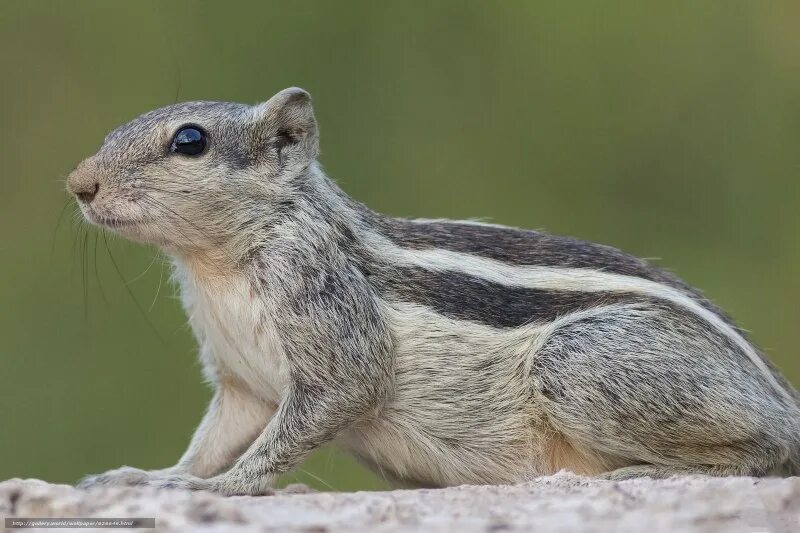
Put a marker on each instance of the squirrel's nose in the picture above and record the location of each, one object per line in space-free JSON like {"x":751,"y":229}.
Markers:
{"x":83,"y":183}
{"x":87,"y":195}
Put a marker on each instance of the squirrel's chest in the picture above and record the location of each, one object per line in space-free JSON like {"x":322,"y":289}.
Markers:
{"x":233,"y":325}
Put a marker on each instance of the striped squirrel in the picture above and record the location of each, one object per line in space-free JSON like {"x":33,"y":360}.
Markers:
{"x":437,"y":352}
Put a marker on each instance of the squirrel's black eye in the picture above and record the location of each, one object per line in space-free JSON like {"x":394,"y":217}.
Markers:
{"x":190,"y":140}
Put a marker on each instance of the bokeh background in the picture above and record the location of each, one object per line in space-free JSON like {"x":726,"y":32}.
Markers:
{"x":670,"y":130}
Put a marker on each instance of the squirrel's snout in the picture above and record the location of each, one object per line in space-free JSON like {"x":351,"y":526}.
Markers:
{"x":83,"y":183}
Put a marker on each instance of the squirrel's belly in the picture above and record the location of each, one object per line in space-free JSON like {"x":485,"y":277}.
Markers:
{"x":461,"y":409}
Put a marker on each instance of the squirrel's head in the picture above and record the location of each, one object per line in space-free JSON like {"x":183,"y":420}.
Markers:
{"x":193,"y":176}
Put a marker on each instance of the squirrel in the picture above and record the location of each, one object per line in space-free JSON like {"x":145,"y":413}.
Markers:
{"x":437,"y":352}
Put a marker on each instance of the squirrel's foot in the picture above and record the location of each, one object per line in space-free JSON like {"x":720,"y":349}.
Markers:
{"x":651,"y":471}
{"x":125,"y":476}
{"x":178,"y":481}
{"x":171,"y":478}
{"x":224,"y":484}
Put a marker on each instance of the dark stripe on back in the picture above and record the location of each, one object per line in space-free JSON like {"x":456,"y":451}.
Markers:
{"x":460,"y":296}
{"x":527,"y":247}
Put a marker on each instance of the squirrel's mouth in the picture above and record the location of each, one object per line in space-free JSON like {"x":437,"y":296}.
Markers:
{"x":109,"y":222}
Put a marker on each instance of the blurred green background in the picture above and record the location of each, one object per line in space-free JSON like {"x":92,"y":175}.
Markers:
{"x":671,"y":130}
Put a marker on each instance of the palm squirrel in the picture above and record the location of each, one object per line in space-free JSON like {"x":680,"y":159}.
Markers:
{"x":438,"y":352}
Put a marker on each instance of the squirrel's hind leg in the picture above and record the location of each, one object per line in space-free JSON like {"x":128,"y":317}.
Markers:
{"x":662,"y":393}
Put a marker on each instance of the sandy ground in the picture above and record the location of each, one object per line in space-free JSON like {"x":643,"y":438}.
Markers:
{"x":563,"y":502}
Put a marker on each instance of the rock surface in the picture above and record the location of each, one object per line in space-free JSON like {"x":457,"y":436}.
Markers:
{"x":563,"y":502}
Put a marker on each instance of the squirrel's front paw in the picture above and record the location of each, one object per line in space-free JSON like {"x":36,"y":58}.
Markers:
{"x":224,"y":484}
{"x":178,"y":481}
{"x":120,"y":477}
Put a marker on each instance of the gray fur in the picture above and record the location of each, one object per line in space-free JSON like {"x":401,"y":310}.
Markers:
{"x":437,"y":352}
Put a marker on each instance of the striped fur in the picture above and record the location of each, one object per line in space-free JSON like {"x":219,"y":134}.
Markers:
{"x":437,"y":352}
{"x":578,"y":280}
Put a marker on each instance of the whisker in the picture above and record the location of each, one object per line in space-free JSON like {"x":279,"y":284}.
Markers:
{"x":146,"y":270}
{"x":85,"y":271}
{"x":97,"y":272}
{"x":319,"y":479}
{"x":130,"y":292}
{"x":74,"y":249}
{"x":67,"y":201}
{"x":158,"y":290}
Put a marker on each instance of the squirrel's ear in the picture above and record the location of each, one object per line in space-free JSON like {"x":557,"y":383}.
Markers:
{"x":288,"y":119}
